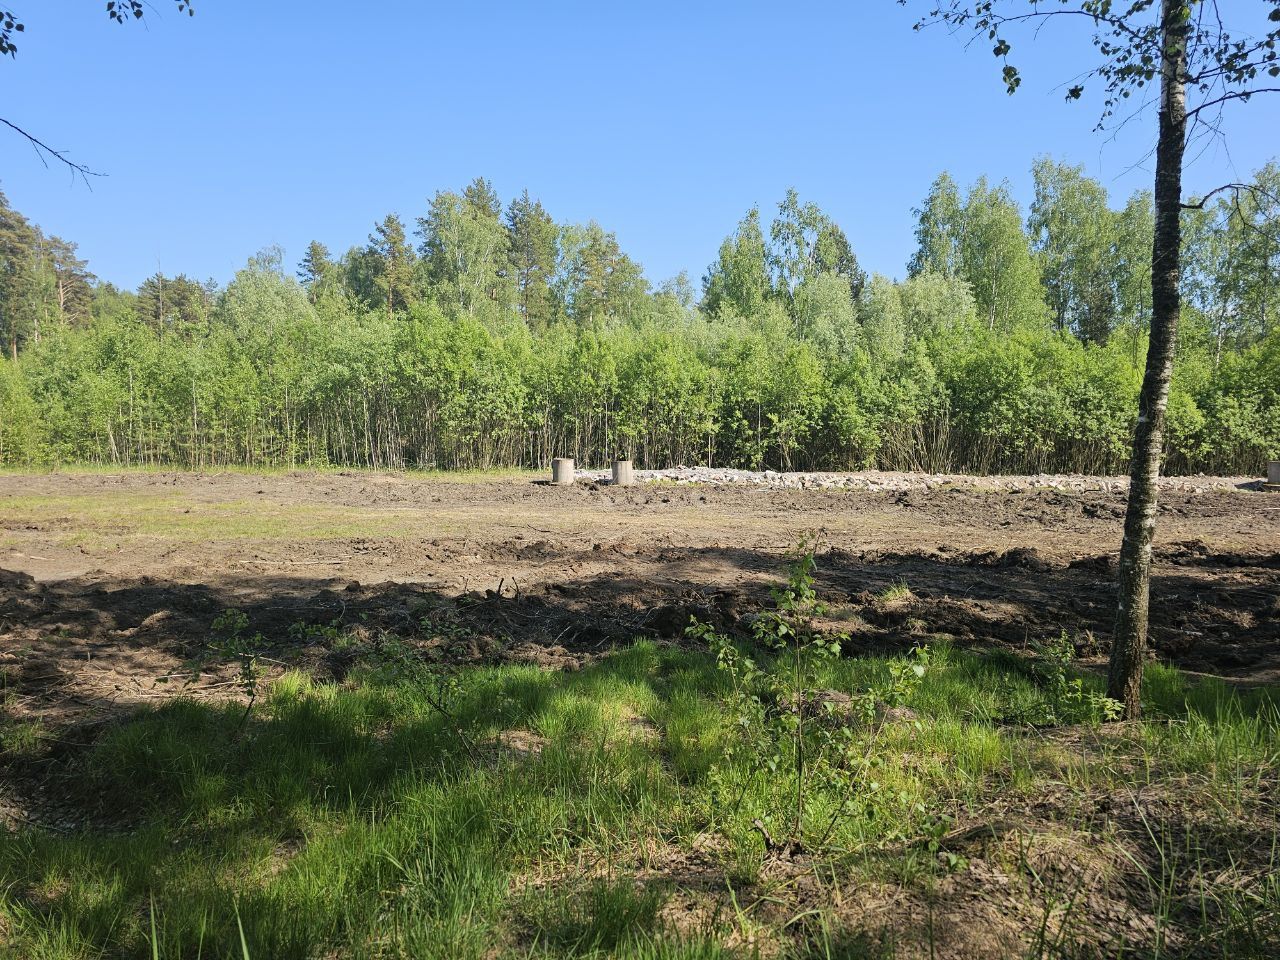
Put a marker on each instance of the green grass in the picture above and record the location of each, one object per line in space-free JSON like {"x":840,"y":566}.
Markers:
{"x":20,"y":738}
{"x":109,"y":516}
{"x":470,"y":475}
{"x":105,"y":517}
{"x":359,"y":820}
{"x":895,"y":593}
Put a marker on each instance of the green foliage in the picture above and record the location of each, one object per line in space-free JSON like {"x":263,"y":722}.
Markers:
{"x":393,"y":273}
{"x":790,"y":732}
{"x":1236,"y":57}
{"x":173,"y":304}
{"x":533,"y":250}
{"x":507,"y":339}
{"x":1067,"y":697}
{"x":465,"y":250}
{"x":1079,"y":242}
{"x":1072,"y":701}
{"x":739,"y":281}
{"x":230,"y":643}
{"x":980,"y":240}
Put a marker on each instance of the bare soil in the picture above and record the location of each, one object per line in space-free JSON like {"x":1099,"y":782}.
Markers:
{"x":109,"y":583}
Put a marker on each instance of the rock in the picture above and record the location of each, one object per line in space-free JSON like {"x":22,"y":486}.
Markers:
{"x":902,"y":481}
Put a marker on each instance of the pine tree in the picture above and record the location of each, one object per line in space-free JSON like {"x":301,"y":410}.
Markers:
{"x":316,"y":269}
{"x":532,"y":250}
{"x":597,"y":282}
{"x":17,"y":276}
{"x":73,"y":283}
{"x":394,"y":263}
{"x":174,"y":304}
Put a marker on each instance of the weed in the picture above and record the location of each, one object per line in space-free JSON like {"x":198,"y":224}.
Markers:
{"x":895,"y":593}
{"x":935,"y":828}
{"x":1070,"y":700}
{"x":230,"y":643}
{"x":330,"y":634}
{"x":786,"y":726}
{"x":19,"y":738}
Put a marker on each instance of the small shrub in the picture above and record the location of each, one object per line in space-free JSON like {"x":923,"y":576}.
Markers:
{"x":230,"y":644}
{"x":787,"y":728}
{"x":1066,"y":698}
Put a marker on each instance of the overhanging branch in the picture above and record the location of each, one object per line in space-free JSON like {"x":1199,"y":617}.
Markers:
{"x":1252,"y":188}
{"x":1232,"y":95}
{"x":43,"y":151}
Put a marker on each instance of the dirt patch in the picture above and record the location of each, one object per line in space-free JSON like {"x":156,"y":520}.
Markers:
{"x":104,"y":608}
{"x":518,"y":744}
{"x":110,"y":588}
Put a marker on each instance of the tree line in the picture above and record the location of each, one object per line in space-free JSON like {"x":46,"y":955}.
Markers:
{"x":485,"y":334}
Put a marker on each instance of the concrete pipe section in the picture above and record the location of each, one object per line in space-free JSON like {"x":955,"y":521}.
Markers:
{"x":562,"y":471}
{"x":623,"y":475}
{"x":1273,"y":476}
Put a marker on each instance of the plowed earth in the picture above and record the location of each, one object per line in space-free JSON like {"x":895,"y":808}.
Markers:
{"x":108,"y":584}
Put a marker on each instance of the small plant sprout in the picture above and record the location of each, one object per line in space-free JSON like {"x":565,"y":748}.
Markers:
{"x":786,"y":727}
{"x":229,"y":643}
{"x":1069,"y":700}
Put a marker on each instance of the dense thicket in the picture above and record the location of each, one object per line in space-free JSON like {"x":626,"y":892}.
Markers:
{"x":494,"y":336}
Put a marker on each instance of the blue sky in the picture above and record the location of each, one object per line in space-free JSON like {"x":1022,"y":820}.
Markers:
{"x":275,"y":123}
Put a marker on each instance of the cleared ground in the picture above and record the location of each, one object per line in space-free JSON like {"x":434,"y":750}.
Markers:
{"x":111,"y":578}
{"x":111,"y":584}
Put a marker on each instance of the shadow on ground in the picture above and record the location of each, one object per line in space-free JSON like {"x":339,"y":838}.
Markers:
{"x":102,"y":643}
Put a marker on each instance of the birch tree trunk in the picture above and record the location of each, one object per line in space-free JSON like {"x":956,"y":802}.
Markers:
{"x":1129,"y":640}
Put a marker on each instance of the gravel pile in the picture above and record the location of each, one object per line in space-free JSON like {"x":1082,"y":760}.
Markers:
{"x":886,"y":480}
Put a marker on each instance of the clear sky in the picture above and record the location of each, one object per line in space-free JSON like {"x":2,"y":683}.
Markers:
{"x":257,"y":123}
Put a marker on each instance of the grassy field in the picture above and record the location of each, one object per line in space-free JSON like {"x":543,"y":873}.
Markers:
{"x":517,"y":812}
{"x":115,"y":470}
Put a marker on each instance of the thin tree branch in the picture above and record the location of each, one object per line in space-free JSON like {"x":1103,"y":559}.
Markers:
{"x":42,"y":148}
{"x":1236,"y":187}
{"x":1233,"y":95}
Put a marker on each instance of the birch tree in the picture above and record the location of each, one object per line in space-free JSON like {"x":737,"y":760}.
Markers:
{"x":1193,"y":50}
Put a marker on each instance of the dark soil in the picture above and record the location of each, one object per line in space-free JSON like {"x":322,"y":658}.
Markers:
{"x":99,"y":612}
